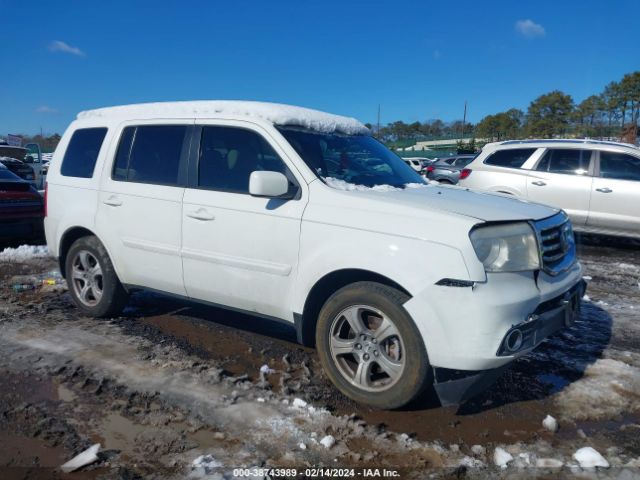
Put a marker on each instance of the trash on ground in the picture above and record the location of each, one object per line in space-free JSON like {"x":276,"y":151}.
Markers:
{"x":87,"y":457}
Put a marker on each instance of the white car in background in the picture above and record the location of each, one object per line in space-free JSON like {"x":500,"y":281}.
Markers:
{"x":596,"y":182}
{"x":302,"y":216}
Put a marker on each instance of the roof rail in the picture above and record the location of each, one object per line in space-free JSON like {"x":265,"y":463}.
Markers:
{"x":570,"y":140}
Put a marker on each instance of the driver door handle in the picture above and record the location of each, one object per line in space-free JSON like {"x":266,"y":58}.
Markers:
{"x":604,"y":190}
{"x":112,"y":201}
{"x":200,"y":214}
{"x":539,"y":183}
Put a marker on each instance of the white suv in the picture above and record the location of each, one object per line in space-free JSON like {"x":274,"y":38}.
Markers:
{"x":597,"y":183}
{"x":302,"y":216}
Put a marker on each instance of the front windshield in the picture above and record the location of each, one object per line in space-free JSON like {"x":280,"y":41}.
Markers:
{"x":355,"y":159}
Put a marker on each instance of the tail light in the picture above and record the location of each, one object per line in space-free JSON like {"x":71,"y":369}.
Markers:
{"x":46,"y":191}
{"x":430,"y":168}
{"x":464,"y":173}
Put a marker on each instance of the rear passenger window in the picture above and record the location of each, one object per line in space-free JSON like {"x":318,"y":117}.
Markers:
{"x":510,"y":158}
{"x":565,"y":161}
{"x":229,"y":155}
{"x":82,"y":152}
{"x":150,"y":154}
{"x":619,"y":166}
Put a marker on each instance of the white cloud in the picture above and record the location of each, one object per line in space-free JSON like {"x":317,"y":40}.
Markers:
{"x":60,"y":46}
{"x":46,"y":109}
{"x":530,"y":29}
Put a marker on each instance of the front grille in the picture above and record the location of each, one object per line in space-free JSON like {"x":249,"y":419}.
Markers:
{"x":556,"y":242}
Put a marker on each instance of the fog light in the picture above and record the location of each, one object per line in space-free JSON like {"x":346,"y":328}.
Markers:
{"x":513,"y":342}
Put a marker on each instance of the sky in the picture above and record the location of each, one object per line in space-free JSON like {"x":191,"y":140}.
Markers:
{"x":418,"y":59}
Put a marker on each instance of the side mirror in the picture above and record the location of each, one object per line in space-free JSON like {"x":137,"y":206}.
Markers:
{"x":268,"y":184}
{"x":28,"y":159}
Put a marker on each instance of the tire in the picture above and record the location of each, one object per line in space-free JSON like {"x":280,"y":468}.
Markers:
{"x":355,"y":363}
{"x":445,"y":181}
{"x":88,"y":264}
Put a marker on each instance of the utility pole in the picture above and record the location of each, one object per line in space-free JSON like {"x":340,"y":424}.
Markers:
{"x":378,"y":120}
{"x":464,"y":120}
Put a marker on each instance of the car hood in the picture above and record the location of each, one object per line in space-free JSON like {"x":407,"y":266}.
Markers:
{"x":489,"y":207}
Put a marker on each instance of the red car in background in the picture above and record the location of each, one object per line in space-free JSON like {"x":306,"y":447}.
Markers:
{"x":21,"y":207}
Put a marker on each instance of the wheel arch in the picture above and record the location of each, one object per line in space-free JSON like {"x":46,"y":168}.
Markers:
{"x":66,"y":240}
{"x":327,"y":286}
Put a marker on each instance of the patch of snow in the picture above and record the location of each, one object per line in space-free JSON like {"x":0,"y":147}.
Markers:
{"x":549,"y":463}
{"x":470,"y":462}
{"x":550,"y":423}
{"x":24,"y":252}
{"x":87,"y":457}
{"x":266,"y":369}
{"x":328,"y":441}
{"x":299,"y":403}
{"x":501,"y":457}
{"x":206,"y":461}
{"x":302,"y":446}
{"x":607,"y":388}
{"x":339,"y":184}
{"x":586,"y":297}
{"x":588,"y":457}
{"x":278,"y":114}
{"x":478,"y":450}
{"x":587,"y":278}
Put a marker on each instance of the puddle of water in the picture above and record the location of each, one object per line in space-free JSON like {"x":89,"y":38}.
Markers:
{"x":556,"y":381}
{"x":119,"y":433}
{"x":65,"y":394}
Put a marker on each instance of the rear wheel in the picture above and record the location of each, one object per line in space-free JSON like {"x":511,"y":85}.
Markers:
{"x":370,"y":347}
{"x":92,"y":280}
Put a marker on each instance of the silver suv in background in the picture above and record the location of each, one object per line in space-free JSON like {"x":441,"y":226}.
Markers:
{"x":449,"y":170}
{"x":596,"y":182}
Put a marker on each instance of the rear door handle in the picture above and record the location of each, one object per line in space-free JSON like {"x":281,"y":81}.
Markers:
{"x":113,"y":201}
{"x":604,"y":190}
{"x":200,"y":214}
{"x":539,"y":183}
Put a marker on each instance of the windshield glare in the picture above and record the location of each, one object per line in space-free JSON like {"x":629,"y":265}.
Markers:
{"x":356,"y":159}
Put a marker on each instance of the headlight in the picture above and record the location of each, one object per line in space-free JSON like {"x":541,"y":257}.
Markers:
{"x":511,"y":247}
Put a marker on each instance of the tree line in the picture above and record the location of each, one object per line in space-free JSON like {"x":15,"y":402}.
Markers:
{"x":613,"y":113}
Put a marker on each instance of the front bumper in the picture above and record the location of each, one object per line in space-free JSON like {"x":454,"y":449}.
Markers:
{"x":456,"y":386}
{"x":463,"y":327}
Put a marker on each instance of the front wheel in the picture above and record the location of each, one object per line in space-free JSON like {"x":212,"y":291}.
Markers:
{"x":370,"y":347}
{"x":92,"y":280}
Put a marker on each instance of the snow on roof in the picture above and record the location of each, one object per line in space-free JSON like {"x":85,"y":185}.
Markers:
{"x":278,"y":114}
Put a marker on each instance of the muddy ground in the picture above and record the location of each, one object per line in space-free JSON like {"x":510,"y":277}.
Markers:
{"x":171,"y":381}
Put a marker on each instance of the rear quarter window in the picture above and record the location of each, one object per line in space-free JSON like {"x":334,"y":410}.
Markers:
{"x":82,"y":152}
{"x":510,"y":158}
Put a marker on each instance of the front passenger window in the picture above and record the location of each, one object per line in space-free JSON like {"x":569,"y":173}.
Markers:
{"x":228,"y":155}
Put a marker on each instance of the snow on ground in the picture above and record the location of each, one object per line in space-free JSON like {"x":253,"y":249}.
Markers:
{"x":607,"y":388}
{"x":23,"y":253}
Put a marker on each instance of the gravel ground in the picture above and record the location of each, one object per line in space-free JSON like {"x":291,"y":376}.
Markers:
{"x":169,"y":382}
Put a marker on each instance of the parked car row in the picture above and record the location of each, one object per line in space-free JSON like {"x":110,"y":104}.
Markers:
{"x":21,"y":207}
{"x":27,"y":162}
{"x":596,"y":182}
